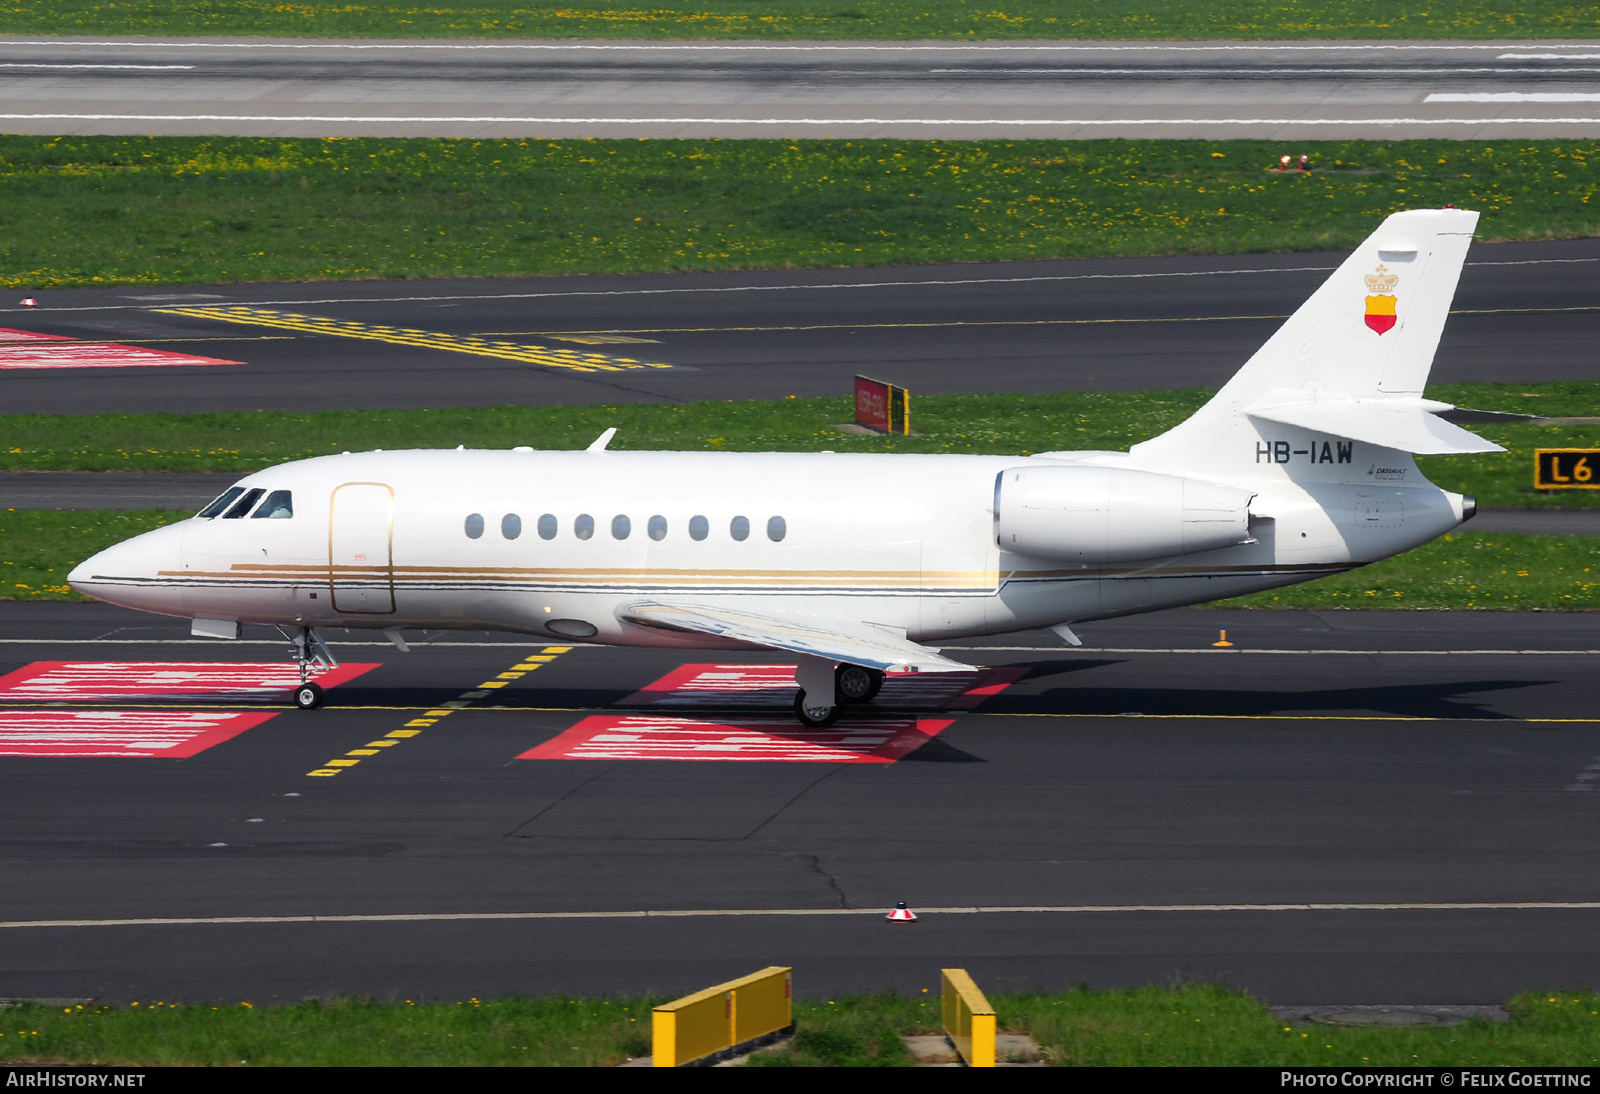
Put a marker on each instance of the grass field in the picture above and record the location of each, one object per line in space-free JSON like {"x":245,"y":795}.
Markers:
{"x":245,"y":441}
{"x":1195,"y":1025}
{"x":1460,"y":570}
{"x":163,"y":210}
{"x":777,"y":19}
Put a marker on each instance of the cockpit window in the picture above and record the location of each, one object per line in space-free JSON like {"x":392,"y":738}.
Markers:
{"x":278,"y":506}
{"x":243,"y":505}
{"x":221,"y":503}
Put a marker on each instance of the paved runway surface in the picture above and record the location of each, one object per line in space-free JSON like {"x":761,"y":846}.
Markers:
{"x":660,"y":89}
{"x":1185,"y":810}
{"x":1524,"y":312}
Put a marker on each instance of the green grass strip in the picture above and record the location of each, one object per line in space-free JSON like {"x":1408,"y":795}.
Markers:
{"x":1463,"y":570}
{"x":1189,"y":1025}
{"x":163,"y":210}
{"x":244,"y":441}
{"x":549,"y":1031}
{"x":39,"y":547}
{"x":829,"y":19}
{"x":1466,"y":570}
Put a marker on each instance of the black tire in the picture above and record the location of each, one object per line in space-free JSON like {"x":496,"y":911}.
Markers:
{"x":810,"y":720}
{"x":308,"y":696}
{"x":856,"y":683}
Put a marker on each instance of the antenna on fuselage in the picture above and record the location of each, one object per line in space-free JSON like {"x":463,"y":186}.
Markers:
{"x":601,"y":441}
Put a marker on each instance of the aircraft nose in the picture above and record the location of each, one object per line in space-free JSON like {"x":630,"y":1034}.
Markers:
{"x":131,"y":573}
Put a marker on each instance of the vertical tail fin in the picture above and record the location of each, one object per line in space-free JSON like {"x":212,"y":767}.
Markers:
{"x":1353,"y":359}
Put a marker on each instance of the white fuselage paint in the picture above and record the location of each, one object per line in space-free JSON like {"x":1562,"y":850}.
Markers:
{"x":902,"y":541}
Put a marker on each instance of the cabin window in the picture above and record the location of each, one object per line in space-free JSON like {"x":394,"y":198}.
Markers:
{"x":658,"y":528}
{"x":699,"y":527}
{"x":221,"y":503}
{"x":475,"y":526}
{"x":583,"y":527}
{"x":739,"y":528}
{"x":511,"y":526}
{"x":243,"y":505}
{"x":777,"y":528}
{"x":278,"y":506}
{"x":547,"y":526}
{"x":621,"y":526}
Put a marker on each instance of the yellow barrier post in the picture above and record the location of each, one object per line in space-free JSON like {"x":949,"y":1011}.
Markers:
{"x":969,"y":1020}
{"x":713,"y":1022}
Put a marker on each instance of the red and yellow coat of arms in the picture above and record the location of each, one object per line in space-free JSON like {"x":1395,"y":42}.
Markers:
{"x":1380,"y":305}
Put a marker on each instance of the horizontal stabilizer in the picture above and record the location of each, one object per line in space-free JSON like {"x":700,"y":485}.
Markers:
{"x":1404,"y":424}
{"x":865,"y":644}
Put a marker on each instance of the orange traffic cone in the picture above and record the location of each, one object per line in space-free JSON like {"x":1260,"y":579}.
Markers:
{"x":901,"y":914}
{"x":29,"y":302}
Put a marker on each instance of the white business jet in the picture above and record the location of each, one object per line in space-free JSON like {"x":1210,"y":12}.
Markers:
{"x":861,"y":565}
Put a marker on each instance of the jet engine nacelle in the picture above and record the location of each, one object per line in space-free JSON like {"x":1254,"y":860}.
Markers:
{"x":1114,"y":514}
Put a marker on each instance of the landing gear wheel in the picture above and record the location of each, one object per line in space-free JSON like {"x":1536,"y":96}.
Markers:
{"x":855,"y":684}
{"x":813,"y":716}
{"x":308,"y":696}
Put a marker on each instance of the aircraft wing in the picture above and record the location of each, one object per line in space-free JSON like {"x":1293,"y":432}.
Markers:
{"x":858,"y":643}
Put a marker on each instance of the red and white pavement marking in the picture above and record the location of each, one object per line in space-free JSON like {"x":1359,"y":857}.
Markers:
{"x":92,"y":681}
{"x":30,"y":349}
{"x":62,"y":353}
{"x":773,"y":686}
{"x":175,"y":733}
{"x":664,"y":737}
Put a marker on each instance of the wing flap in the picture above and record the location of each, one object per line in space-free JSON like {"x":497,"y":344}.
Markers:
{"x":858,"y":643}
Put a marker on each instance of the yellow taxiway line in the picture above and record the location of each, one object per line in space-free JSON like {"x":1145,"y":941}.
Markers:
{"x":477,"y":345}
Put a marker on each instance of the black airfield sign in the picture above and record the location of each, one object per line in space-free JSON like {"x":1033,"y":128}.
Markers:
{"x":1566,"y":468}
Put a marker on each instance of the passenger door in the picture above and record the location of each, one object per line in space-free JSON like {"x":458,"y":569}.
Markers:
{"x":361,"y":548}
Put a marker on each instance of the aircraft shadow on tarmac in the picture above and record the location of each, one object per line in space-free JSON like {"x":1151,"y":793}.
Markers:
{"x":1442,"y":700}
{"x":1451,"y":700}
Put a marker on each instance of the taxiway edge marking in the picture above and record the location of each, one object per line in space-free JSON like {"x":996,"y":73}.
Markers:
{"x":725,"y":913}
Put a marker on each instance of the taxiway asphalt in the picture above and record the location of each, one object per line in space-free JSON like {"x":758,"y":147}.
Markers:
{"x":1343,"y":807}
{"x":1525,"y":312}
{"x":508,"y":88}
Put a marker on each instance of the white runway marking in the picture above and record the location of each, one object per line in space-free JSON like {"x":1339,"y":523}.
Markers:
{"x":1298,"y":71}
{"x":49,"y":64}
{"x":1548,"y":57}
{"x":1020,"y":123}
{"x":725,"y":913}
{"x":788,"y":288}
{"x":1513,"y":97}
{"x":779,"y":47}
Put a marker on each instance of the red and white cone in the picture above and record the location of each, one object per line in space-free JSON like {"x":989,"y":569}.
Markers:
{"x":901,"y":914}
{"x":29,"y":302}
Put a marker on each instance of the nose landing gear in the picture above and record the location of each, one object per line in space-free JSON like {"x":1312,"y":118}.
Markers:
{"x":311,"y":654}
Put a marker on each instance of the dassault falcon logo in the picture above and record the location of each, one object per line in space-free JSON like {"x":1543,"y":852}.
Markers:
{"x":1380,"y":305}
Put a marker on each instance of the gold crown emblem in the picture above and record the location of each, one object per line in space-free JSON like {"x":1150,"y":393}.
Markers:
{"x":1383,"y":280}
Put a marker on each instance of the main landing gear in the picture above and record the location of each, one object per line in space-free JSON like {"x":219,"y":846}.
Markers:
{"x":852,"y":684}
{"x":311,"y":654}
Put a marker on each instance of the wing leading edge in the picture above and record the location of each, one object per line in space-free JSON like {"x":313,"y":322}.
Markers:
{"x":856,"y":643}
